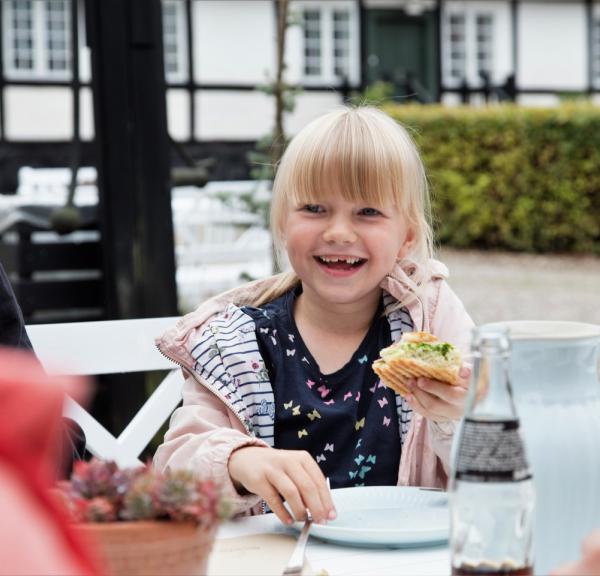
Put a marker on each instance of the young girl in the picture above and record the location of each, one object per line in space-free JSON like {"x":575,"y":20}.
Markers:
{"x":280,"y":391}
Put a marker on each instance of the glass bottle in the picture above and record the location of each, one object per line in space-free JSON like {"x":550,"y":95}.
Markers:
{"x":491,"y":489}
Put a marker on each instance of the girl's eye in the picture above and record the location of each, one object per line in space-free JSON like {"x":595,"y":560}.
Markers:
{"x":370,"y":212}
{"x":313,"y":208}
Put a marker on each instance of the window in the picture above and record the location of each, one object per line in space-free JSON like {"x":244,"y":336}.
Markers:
{"x":341,"y":43}
{"x":37,"y":39}
{"x":468,"y":46}
{"x":175,"y":40}
{"x":330,"y":41}
{"x":312,"y":43}
{"x":596,"y":52}
{"x":457,"y":46}
{"x":484,"y":29}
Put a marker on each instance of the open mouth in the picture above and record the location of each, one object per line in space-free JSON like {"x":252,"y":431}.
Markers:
{"x":339,"y":263}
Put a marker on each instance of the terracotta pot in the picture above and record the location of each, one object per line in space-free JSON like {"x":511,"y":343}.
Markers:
{"x":151,"y":548}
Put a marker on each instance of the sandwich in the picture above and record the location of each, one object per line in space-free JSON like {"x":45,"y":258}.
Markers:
{"x":417,"y":354}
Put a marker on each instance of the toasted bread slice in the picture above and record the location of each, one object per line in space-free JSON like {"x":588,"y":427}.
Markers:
{"x":418,"y":354}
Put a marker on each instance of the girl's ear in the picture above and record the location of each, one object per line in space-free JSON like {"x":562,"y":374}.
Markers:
{"x":408,"y":243}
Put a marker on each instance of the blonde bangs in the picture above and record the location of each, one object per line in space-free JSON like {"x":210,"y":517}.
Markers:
{"x":343,"y":163}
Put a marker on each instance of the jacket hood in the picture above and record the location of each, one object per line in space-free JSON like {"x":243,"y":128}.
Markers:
{"x":407,"y":283}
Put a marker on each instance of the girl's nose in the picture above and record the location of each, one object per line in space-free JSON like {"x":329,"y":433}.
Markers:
{"x":339,"y":231}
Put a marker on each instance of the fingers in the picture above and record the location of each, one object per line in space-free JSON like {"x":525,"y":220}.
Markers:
{"x":273,"y":499}
{"x":288,"y":475}
{"x":464,"y":375}
{"x":325,"y":508}
{"x":437,"y":400}
{"x":286,"y":487}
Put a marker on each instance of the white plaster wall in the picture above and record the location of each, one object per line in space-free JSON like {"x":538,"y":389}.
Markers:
{"x":178,"y":114}
{"x":234,"y":41}
{"x":310,"y":105}
{"x":552,"y":45}
{"x":538,"y":100}
{"x":222,"y":115}
{"x":227,"y":115}
{"x":86,"y":114}
{"x":38,"y":114}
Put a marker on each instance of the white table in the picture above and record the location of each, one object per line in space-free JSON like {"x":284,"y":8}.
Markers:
{"x":336,"y":560}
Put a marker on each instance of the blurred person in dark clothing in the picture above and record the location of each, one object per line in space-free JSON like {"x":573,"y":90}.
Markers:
{"x":14,"y":335}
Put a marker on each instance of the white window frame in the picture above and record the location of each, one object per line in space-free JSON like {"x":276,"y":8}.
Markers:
{"x":327,"y":10}
{"x":181,"y":39}
{"x":471,"y":46}
{"x":40,"y":69}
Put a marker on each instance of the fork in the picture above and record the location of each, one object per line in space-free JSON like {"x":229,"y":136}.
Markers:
{"x":296,"y":561}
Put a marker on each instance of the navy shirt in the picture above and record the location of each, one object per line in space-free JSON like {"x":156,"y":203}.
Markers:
{"x":346,"y":420}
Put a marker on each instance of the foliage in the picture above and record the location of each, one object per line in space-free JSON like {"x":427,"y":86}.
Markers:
{"x":99,"y":491}
{"x":375,"y":94}
{"x":509,"y":177}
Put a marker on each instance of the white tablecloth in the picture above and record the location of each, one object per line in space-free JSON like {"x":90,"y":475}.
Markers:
{"x":271,"y":552}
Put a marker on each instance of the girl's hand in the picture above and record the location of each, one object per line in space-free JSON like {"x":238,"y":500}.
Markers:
{"x":439,"y":401}
{"x":291,"y":474}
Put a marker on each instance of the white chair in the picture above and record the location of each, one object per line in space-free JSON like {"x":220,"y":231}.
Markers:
{"x":110,"y":347}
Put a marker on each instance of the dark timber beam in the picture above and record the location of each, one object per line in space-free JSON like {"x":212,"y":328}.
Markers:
{"x":133,"y":157}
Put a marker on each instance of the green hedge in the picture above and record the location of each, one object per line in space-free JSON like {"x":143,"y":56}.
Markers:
{"x":511,"y":178}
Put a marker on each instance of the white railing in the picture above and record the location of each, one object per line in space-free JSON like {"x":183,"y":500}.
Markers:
{"x":216,"y":243}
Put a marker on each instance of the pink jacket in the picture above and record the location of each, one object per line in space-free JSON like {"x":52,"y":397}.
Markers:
{"x":206,"y":430}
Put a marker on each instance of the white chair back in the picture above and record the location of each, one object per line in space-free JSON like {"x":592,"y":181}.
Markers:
{"x":111,"y":347}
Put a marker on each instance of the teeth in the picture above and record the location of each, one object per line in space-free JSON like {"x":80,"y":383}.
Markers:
{"x":347,"y":260}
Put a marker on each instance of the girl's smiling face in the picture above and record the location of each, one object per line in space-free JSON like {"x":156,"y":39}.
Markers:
{"x":342,"y":249}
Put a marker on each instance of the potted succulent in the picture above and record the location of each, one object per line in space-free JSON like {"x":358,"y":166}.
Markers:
{"x":144,"y":522}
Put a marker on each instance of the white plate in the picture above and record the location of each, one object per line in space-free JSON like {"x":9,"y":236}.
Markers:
{"x":388,"y":516}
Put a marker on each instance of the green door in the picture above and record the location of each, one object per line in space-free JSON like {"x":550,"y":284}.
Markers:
{"x":402,"y":50}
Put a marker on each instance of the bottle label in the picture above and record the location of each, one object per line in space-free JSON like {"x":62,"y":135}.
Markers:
{"x":491,"y":451}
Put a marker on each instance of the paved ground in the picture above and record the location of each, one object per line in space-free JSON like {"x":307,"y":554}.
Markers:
{"x":504,"y":286}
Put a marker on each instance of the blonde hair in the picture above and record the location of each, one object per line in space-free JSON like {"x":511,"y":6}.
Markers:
{"x":364,"y":155}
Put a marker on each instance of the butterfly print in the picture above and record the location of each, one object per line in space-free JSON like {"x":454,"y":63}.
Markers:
{"x":314,"y":414}
{"x":320,"y":458}
{"x":382,"y":401}
{"x":328,"y":447}
{"x":296,"y":410}
{"x":386,"y":421}
{"x":310,"y":384}
{"x":360,"y":423}
{"x":330,"y":402}
{"x":302,"y":432}
{"x":347,"y":395}
{"x":289,"y":352}
{"x":323,"y":390}
{"x":363,"y":471}
{"x":363,"y":359}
